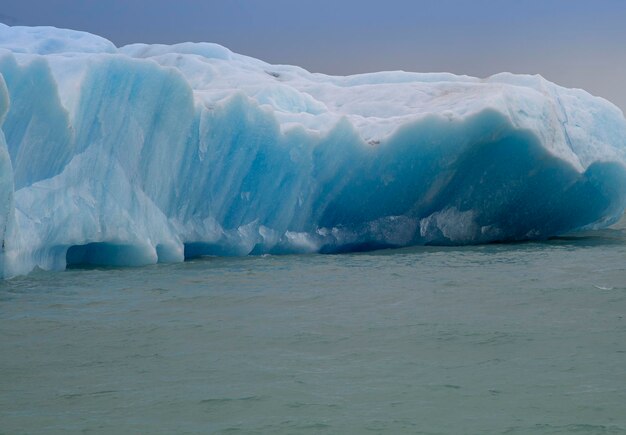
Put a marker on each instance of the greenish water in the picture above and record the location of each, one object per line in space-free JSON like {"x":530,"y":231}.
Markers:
{"x":524,"y":338}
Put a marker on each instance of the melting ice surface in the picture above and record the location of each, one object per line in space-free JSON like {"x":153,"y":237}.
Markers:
{"x":154,"y":153}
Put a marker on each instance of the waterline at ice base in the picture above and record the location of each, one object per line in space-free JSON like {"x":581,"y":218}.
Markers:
{"x":153,"y":153}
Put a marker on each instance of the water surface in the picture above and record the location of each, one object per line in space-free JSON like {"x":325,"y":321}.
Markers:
{"x":523,"y":338}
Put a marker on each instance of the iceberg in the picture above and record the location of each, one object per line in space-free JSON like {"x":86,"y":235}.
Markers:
{"x":157,"y":153}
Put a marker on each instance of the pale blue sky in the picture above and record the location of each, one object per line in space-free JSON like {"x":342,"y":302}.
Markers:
{"x":578,"y":43}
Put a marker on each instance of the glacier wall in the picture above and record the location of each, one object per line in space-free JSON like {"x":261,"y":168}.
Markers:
{"x":154,"y":153}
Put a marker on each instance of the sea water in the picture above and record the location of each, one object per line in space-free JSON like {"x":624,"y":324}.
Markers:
{"x":518,"y":338}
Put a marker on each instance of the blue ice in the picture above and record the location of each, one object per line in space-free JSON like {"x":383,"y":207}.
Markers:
{"x":154,"y":153}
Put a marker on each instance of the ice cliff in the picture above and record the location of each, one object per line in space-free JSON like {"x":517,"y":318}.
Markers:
{"x":155,"y":153}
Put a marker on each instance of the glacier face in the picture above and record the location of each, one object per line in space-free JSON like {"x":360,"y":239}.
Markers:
{"x":155,"y":153}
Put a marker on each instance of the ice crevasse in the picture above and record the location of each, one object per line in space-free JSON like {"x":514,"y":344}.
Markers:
{"x":157,"y":153}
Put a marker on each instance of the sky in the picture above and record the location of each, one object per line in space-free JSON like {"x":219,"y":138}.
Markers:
{"x":576,"y":43}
